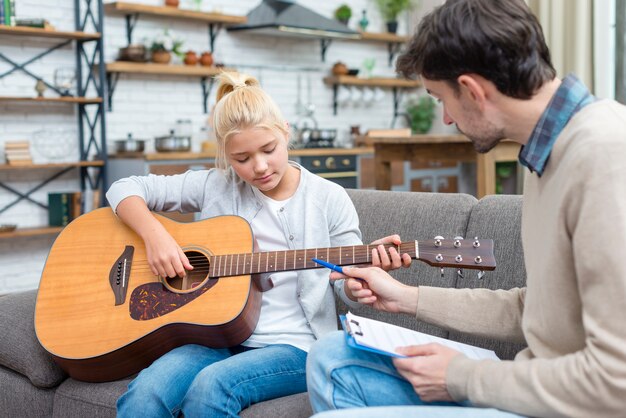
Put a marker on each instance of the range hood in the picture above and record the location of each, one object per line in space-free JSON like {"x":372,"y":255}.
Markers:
{"x":287,"y":18}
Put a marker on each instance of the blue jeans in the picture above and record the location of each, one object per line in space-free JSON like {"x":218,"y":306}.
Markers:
{"x":339,"y":376}
{"x":207,"y":382}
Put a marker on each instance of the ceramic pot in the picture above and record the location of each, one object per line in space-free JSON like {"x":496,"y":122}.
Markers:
{"x":172,"y":3}
{"x":206,"y":59}
{"x":191,"y":58}
{"x":161,"y":57}
{"x":340,"y":68}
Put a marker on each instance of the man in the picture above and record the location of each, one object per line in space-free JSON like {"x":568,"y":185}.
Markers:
{"x":487,"y":62}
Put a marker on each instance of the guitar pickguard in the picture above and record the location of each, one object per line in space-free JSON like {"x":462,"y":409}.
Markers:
{"x":152,"y":300}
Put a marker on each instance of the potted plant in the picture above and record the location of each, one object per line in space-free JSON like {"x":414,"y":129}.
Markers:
{"x":343,"y":13}
{"x":163,"y":46}
{"x":421,"y":113}
{"x":390,"y":9}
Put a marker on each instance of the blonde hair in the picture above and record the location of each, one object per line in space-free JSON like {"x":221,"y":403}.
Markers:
{"x":242,"y":104}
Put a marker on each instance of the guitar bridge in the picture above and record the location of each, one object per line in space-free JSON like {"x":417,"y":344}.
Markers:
{"x":120,"y":274}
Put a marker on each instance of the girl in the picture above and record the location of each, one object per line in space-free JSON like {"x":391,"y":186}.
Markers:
{"x":288,"y":208}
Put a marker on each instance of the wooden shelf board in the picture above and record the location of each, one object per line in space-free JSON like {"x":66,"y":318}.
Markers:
{"x":164,"y":69}
{"x":47,"y":33}
{"x":383,"y":37}
{"x":413,"y":139}
{"x":51,"y":165}
{"x":121,"y":7}
{"x":79,"y":100}
{"x":372,"y":82}
{"x":30,"y":232}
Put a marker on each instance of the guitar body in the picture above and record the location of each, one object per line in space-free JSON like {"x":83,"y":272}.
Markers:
{"x":101,"y":325}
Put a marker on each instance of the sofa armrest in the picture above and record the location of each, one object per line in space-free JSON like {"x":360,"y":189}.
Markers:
{"x":20,"y":350}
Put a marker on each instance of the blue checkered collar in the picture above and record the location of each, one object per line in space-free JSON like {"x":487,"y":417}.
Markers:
{"x":570,"y":97}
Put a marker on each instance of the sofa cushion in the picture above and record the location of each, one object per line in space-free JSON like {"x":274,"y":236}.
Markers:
{"x":497,"y":217}
{"x":294,"y":406}
{"x":415,"y":216}
{"x":19,"y":348}
{"x":19,"y":398}
{"x":81,"y":399}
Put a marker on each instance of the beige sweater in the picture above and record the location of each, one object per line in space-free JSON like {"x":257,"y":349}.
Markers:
{"x":572,"y":314}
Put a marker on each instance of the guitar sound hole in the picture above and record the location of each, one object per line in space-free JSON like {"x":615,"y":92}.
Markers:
{"x":195,"y":277}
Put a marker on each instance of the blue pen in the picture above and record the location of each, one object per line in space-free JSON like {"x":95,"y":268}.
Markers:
{"x":329,"y":265}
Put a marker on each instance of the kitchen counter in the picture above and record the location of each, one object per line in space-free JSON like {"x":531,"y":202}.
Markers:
{"x":301,"y":152}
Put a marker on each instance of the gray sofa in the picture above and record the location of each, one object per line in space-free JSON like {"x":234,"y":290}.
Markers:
{"x":32,"y":385}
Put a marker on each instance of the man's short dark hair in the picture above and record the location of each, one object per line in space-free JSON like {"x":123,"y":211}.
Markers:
{"x":500,"y":40}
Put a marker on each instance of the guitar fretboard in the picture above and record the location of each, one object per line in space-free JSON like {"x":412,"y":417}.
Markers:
{"x":276,"y":261}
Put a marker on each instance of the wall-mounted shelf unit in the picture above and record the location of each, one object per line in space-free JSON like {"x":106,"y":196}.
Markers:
{"x":132,"y":11}
{"x":396,"y":84}
{"x":114,"y":69}
{"x":91,"y":132}
{"x":47,"y":33}
{"x":31,"y":232}
{"x":61,"y":169}
{"x":394,"y":42}
{"x":65,"y":99}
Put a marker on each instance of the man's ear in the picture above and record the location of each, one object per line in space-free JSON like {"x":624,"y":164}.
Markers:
{"x":475,"y":89}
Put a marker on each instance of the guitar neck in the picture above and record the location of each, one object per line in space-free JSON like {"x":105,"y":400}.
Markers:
{"x":277,"y":261}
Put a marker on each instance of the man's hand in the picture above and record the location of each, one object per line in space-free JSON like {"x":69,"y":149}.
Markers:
{"x":426,"y":369}
{"x":375,"y":287}
{"x":391,"y":260}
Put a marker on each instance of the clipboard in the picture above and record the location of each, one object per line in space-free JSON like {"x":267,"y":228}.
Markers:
{"x":349,"y":330}
{"x":383,"y":338}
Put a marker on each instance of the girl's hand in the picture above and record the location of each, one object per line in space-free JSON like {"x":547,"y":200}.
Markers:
{"x":165,"y":256}
{"x":392,"y":260}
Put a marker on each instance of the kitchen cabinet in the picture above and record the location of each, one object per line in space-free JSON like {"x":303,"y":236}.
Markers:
{"x":132,"y":11}
{"x":91,"y":124}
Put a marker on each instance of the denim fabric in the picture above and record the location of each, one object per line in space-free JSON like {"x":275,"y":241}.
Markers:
{"x":199,"y":381}
{"x":339,"y":376}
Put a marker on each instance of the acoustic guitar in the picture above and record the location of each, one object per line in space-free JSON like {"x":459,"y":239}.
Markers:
{"x":103,"y":315}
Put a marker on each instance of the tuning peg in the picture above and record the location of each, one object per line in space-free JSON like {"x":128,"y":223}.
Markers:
{"x":457,"y":241}
{"x":459,"y":273}
{"x":481,"y":273}
{"x":442,"y":271}
{"x":476,"y":243}
{"x":438,"y":240}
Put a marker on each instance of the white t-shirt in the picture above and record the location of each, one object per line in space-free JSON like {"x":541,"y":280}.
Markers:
{"x":282,"y":319}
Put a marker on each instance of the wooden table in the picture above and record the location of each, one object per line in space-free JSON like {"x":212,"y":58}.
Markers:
{"x":439,"y":148}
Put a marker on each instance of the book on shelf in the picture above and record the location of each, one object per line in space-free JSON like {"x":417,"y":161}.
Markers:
{"x":8,"y":12}
{"x":34,"y":23}
{"x":17,"y":152}
{"x":63,"y":207}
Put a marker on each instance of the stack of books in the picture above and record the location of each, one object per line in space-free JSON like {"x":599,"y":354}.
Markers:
{"x":18,"y":152}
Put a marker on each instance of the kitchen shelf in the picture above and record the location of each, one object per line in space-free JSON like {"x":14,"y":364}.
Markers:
{"x":62,"y":168}
{"x":4,"y":167}
{"x":47,"y":33}
{"x":349,"y":80}
{"x":62,"y":99}
{"x":396,"y":84}
{"x":394,"y":42}
{"x":163,"y":69}
{"x":132,"y":11}
{"x":114,"y":69}
{"x":31,"y":232}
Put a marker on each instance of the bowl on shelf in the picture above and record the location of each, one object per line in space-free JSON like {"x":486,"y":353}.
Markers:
{"x":353,"y":71}
{"x":133,"y":53}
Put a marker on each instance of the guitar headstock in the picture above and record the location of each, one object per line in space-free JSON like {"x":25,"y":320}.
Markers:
{"x":460,"y":253}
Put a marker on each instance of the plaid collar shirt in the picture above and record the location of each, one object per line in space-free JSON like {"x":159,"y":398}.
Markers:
{"x":570,"y":97}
